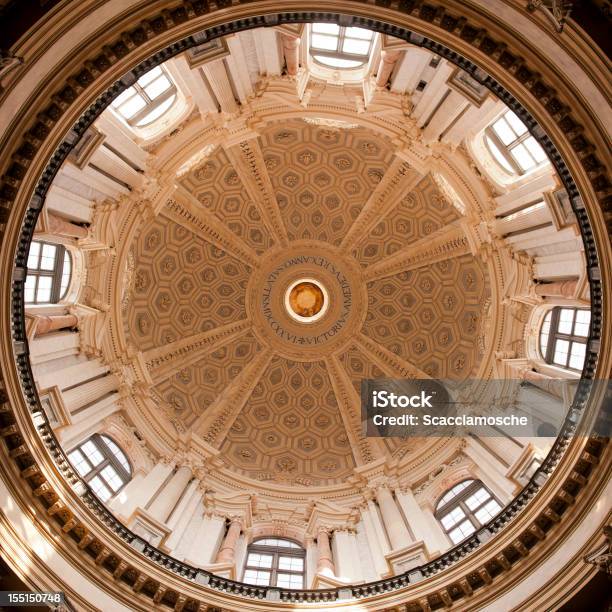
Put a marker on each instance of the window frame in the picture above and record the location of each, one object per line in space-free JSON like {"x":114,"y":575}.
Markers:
{"x":506,"y":149}
{"x":56,"y":293}
{"x":338,"y":53}
{"x":109,"y":458}
{"x":554,"y":334}
{"x":458,"y":501}
{"x":276,"y":552}
{"x":150,"y":104}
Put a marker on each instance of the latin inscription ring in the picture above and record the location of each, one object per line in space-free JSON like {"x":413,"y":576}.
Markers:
{"x":317,"y":262}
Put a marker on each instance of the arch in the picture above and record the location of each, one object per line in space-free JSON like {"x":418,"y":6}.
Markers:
{"x":118,"y":452}
{"x":124,"y":436}
{"x":464,"y":508}
{"x":102,"y":464}
{"x":563,"y":337}
{"x":49,"y":272}
{"x":275,"y":561}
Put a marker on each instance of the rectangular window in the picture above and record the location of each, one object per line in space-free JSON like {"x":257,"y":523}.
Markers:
{"x":259,"y":560}
{"x":561,"y":352}
{"x":462,"y":531}
{"x":111,"y":477}
{"x":92,"y":453}
{"x":100,"y":489}
{"x":289,"y":581}
{"x":257,"y":577}
{"x":513,"y":147}
{"x":291,"y":563}
{"x":80,"y":464}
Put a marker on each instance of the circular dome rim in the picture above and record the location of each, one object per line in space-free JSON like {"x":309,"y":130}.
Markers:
{"x":4,"y":288}
{"x":173,"y":155}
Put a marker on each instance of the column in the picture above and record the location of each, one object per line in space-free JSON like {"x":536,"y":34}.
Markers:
{"x":325,"y":563}
{"x":182,"y":514}
{"x":490,"y":471}
{"x":54,"y":346}
{"x":423,"y":523}
{"x":388,"y":59}
{"x":392,"y":519}
{"x":311,"y":560}
{"x":219,"y":82}
{"x":87,"y":421}
{"x":565,"y":289}
{"x":60,"y":227}
{"x":227,"y":551}
{"x":69,"y":373}
{"x":379,"y":528}
{"x":166,"y":499}
{"x":502,"y":446}
{"x":551,"y":385}
{"x":291,"y":45}
{"x":366,"y":561}
{"x":139,"y":490}
{"x":48,"y":323}
{"x":374,"y":543}
{"x":204,"y":534}
{"x":450,"y":108}
{"x":346,"y":555}
{"x":89,"y":392}
{"x":184,"y":502}
{"x":408,"y":75}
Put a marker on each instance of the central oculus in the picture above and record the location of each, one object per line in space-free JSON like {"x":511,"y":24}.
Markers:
{"x":306,"y":300}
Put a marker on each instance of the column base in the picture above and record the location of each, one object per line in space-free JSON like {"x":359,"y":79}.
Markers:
{"x":148,"y":528}
{"x":225,"y":570}
{"x":321,"y":581}
{"x":518,"y":472}
{"x":404,"y":559}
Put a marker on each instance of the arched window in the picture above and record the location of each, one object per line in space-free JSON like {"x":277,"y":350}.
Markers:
{"x":512,"y":146}
{"x":275,"y":562}
{"x":49,"y":270}
{"x":102,"y":464}
{"x":339,"y":47}
{"x":148,"y":99}
{"x":465,"y":508}
{"x":563,"y":337}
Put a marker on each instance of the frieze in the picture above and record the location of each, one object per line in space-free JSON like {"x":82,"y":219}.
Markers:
{"x":87,"y":78}
{"x":183,"y":350}
{"x":448,"y":243}
{"x":250,"y":166}
{"x":211,"y":231}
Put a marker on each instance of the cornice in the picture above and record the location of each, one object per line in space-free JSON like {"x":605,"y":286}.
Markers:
{"x":580,"y":459}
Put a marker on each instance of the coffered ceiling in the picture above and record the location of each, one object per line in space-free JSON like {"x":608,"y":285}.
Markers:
{"x":279,"y":399}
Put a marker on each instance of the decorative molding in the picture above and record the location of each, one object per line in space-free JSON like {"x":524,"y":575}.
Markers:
{"x":386,"y":360}
{"x":557,"y":11}
{"x":398,"y":179}
{"x":248,"y":161}
{"x":474,"y":36}
{"x":162,"y":362}
{"x":447,"y":243}
{"x":218,"y":418}
{"x":365,"y":450}
{"x":201,"y":223}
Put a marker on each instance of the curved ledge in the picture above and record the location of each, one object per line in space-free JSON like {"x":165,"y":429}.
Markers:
{"x":580,"y":458}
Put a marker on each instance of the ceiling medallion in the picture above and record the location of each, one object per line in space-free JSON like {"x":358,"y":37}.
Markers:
{"x":306,"y":300}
